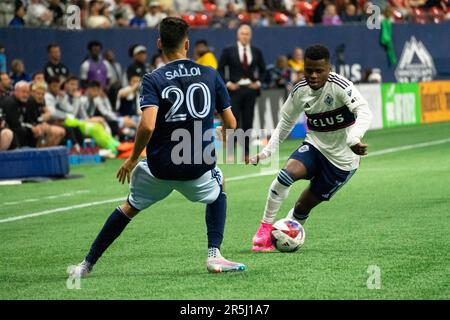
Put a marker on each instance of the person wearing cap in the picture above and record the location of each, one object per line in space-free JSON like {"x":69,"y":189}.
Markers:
{"x":139,"y":66}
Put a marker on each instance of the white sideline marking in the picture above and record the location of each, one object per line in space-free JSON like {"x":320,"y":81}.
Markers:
{"x":43,"y":213}
{"x":402,"y":148}
{"x":57,"y":196}
{"x":90,"y":204}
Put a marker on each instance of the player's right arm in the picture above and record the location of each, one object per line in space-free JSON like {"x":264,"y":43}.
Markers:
{"x":289,"y":115}
{"x":149,"y":103}
{"x":143,"y":135}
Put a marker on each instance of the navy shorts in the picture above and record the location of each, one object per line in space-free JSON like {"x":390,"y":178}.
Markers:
{"x":326,"y":179}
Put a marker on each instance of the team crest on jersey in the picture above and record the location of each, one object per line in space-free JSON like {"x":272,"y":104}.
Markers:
{"x":329,"y":100}
{"x":303,"y":148}
{"x":349,"y":93}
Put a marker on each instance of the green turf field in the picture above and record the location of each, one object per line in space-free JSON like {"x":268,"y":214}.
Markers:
{"x":394,"y":213}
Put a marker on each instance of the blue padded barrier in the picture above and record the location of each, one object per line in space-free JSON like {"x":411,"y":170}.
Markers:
{"x":30,"y":162}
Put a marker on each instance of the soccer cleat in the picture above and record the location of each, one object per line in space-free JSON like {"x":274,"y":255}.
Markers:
{"x":262,"y":241}
{"x":220,"y":264}
{"x":82,"y":270}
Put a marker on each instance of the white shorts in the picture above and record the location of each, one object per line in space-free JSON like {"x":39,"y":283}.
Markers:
{"x":146,"y":190}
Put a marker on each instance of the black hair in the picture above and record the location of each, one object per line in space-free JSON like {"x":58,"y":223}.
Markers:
{"x":202,"y":41}
{"x":94,"y":43}
{"x":172,"y":32}
{"x":94,"y":84}
{"x":53,"y":80}
{"x":52,"y":45}
{"x":35,"y":74}
{"x":317,"y":52}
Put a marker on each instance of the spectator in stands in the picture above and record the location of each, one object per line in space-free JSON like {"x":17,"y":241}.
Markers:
{"x":18,"y":72}
{"x":122,"y":13}
{"x":218,"y":19}
{"x":116,"y":80}
{"x":295,"y":18}
{"x":37,"y":77}
{"x":98,"y":106}
{"x":191,"y":6}
{"x":351,"y":15}
{"x":240,"y":5}
{"x":38,"y":15}
{"x":72,"y":95}
{"x":7,"y":12}
{"x":2,"y":59}
{"x":5,"y":85}
{"x":128,"y":103}
{"x":96,"y":19}
{"x":231,"y":16}
{"x":139,"y":21}
{"x":157,"y":61}
{"x":16,"y":113}
{"x":37,"y":114}
{"x":55,"y":101}
{"x":297,"y":64}
{"x":155,"y":14}
{"x":246,"y":71}
{"x":139,"y":66}
{"x":54,"y":66}
{"x":19,"y":14}
{"x":58,"y":12}
{"x":6,"y":135}
{"x":95,"y":68}
{"x":203,"y":55}
{"x":319,"y":11}
{"x":330,"y":16}
{"x":278,"y":75}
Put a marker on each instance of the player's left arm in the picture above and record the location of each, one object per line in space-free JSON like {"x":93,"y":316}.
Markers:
{"x":353,"y":99}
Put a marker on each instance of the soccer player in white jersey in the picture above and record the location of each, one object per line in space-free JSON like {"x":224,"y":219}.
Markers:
{"x":337,"y":118}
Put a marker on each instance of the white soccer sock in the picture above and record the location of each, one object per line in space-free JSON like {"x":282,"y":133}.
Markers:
{"x":291,"y":216}
{"x":214,"y":253}
{"x":277,"y":194}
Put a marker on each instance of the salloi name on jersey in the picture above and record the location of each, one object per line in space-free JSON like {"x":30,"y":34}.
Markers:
{"x":183,"y":72}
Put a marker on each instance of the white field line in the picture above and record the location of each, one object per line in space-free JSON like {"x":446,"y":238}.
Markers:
{"x":248,"y":176}
{"x":402,"y":148}
{"x":56,"y":196}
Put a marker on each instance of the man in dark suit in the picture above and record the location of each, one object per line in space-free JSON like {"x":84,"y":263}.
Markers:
{"x":242,"y":67}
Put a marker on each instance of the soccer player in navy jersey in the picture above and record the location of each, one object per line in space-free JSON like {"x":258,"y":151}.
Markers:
{"x":178,"y":102}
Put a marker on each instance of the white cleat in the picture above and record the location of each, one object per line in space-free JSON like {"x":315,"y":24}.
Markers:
{"x":217,"y":265}
{"x":81,"y":270}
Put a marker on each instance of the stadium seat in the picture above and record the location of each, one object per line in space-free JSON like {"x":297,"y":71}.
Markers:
{"x":32,"y":162}
{"x":306,"y":9}
{"x":280,"y":18}
{"x":244,"y":17}
{"x":189,"y":18}
{"x":201,"y":19}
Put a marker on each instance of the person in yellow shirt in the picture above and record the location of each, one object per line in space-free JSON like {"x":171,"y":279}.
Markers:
{"x":297,"y":64}
{"x":203,"y":55}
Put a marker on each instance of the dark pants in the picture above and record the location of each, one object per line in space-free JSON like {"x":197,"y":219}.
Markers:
{"x":243,"y":106}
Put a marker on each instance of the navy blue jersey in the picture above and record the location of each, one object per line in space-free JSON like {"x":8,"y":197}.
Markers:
{"x":187,"y":94}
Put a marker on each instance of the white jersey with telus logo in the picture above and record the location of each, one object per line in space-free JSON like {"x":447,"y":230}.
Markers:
{"x":337,"y":118}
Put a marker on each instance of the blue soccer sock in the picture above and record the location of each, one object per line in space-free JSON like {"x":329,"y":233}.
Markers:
{"x":113,"y":227}
{"x":216,"y":213}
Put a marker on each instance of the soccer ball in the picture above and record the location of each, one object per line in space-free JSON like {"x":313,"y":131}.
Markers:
{"x":288,"y":235}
